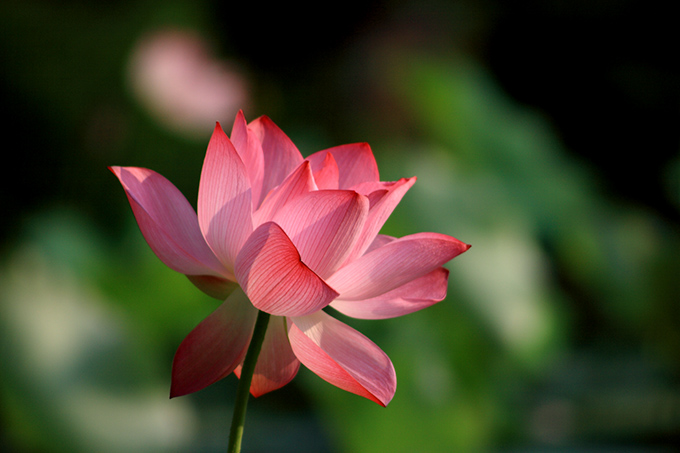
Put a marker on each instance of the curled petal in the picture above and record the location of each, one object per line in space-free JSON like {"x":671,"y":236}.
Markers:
{"x":249,"y":149}
{"x":224,"y":199}
{"x":270,"y":271}
{"x":356,"y":164}
{"x":394,"y":264}
{"x":215,"y":347}
{"x":342,"y":356}
{"x":276,"y":364}
{"x":281,"y":156}
{"x":324,"y":226}
{"x":413,"y":296}
{"x":168,"y":222}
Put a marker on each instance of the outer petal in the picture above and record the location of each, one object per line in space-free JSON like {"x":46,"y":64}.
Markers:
{"x":270,"y":271}
{"x":224,"y":199}
{"x":356,"y":164}
{"x":215,"y":347}
{"x":342,"y":356}
{"x":276,"y":364}
{"x":249,"y":148}
{"x":297,"y":183}
{"x":281,"y":156}
{"x":324,"y":226}
{"x":413,"y":296}
{"x":168,"y":222}
{"x":394,"y":264}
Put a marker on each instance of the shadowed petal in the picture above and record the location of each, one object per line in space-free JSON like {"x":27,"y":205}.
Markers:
{"x":249,"y":148}
{"x":215,"y":347}
{"x":324,"y":225}
{"x":270,"y":271}
{"x":394,"y":264}
{"x":216,"y":287}
{"x":276,"y":364}
{"x":168,"y":222}
{"x":224,"y":199}
{"x":342,"y":356}
{"x":281,"y":156}
{"x":413,"y":296}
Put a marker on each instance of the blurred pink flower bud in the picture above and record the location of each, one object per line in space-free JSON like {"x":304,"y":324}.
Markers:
{"x":176,"y":78}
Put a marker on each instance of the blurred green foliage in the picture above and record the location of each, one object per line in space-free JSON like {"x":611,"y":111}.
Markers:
{"x":562,"y":326}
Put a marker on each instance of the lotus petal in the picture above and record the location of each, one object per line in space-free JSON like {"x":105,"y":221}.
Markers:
{"x":408,"y":298}
{"x":224,"y":199}
{"x":270,"y":271}
{"x":394,"y":264}
{"x":168,"y":222}
{"x":215,"y":347}
{"x":281,"y":156}
{"x":276,"y":364}
{"x":342,"y":356}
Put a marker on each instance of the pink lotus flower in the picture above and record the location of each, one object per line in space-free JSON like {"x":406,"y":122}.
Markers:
{"x":296,"y":235}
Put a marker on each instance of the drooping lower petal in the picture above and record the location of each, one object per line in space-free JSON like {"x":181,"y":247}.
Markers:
{"x":413,"y":296}
{"x":224,"y":199}
{"x":271,"y":272}
{"x":394,"y":264}
{"x":342,"y":356}
{"x":324,"y":226}
{"x":215,"y":347}
{"x":168,"y":222}
{"x":276,"y":364}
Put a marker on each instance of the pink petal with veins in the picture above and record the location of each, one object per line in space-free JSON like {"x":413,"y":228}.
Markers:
{"x":168,"y":222}
{"x":413,"y":296}
{"x":270,"y":271}
{"x":342,"y":356}
{"x":324,"y":225}
{"x":276,"y":364}
{"x":355,"y":162}
{"x":297,"y":183}
{"x":215,"y":347}
{"x":249,"y":149}
{"x":326,"y":172}
{"x":281,"y":156}
{"x":384,"y":197}
{"x":224,"y":199}
{"x":394,"y":264}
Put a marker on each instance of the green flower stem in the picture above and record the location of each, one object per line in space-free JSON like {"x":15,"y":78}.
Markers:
{"x":243,"y":390}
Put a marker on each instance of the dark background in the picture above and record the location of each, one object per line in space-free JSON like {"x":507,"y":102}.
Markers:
{"x":543,"y":133}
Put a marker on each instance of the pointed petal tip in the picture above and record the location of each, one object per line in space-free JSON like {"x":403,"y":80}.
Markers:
{"x":343,"y":357}
{"x":173,"y":393}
